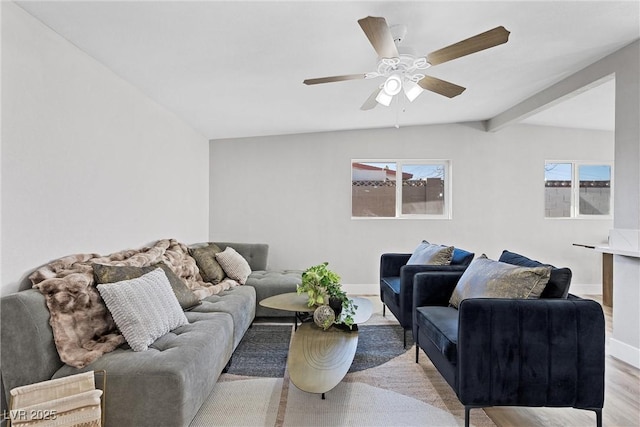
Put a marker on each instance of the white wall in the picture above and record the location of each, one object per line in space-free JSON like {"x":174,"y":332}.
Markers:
{"x":294,"y":191}
{"x":89,"y":164}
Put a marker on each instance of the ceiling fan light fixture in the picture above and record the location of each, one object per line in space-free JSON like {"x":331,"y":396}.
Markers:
{"x":393,"y":85}
{"x":412,"y":90}
{"x":383,"y":98}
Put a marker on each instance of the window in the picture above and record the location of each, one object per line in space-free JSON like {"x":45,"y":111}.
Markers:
{"x":577,"y":190}
{"x":400,"y":189}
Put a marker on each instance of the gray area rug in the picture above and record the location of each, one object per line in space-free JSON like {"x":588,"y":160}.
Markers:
{"x":263,"y":350}
{"x":393,"y":391}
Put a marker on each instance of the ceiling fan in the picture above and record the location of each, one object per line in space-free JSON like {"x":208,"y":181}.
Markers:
{"x":404,"y":71}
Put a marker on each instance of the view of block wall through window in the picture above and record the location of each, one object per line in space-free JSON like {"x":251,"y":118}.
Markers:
{"x":591,"y":196}
{"x":420,"y":186}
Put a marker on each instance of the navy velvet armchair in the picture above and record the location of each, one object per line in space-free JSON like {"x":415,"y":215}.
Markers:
{"x":513,"y":352}
{"x":396,"y":282}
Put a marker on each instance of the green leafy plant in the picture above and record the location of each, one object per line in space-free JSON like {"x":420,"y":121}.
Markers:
{"x":321,"y":284}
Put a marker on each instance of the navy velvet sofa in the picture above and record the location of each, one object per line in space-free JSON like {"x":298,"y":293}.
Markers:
{"x":396,"y":282}
{"x":513,"y":352}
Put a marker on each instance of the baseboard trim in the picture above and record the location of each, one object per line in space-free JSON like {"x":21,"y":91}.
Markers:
{"x":624,"y":352}
{"x":586,"y":289}
{"x":361,"y":289}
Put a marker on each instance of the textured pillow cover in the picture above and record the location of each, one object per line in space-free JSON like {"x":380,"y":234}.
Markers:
{"x":234,"y":265}
{"x":427,"y":253}
{"x":117,"y":273}
{"x":144,"y":308}
{"x":210,"y":268}
{"x":486,"y":278}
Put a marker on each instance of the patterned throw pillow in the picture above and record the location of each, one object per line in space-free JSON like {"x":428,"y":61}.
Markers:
{"x":429,"y":254}
{"x":116,"y":273}
{"x":485,"y":278}
{"x":209,"y":267}
{"x":144,"y":308}
{"x":234,"y":265}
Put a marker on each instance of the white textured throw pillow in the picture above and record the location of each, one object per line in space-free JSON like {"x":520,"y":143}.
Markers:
{"x":144,"y":308}
{"x":234,"y":265}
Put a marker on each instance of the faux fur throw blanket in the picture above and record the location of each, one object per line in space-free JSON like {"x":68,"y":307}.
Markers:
{"x":83,"y":328}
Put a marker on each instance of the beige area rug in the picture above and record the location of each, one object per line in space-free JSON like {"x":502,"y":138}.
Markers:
{"x":399,"y":392}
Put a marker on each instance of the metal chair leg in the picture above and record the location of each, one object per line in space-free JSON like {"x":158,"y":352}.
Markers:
{"x":598,"y":417}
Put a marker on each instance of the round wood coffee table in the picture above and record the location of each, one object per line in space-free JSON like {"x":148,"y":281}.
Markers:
{"x":318,"y":360}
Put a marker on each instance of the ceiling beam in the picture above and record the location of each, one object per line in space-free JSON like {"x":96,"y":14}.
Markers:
{"x":593,"y":75}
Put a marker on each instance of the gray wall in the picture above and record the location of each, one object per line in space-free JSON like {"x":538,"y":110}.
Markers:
{"x":89,"y":164}
{"x":294,"y":192}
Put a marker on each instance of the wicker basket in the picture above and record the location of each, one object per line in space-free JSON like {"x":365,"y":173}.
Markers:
{"x":71,"y":401}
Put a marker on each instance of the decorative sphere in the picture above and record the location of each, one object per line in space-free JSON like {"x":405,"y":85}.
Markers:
{"x":324,"y":316}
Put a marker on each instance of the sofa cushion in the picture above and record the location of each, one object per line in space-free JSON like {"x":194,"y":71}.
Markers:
{"x":392,"y":283}
{"x":427,"y":253}
{"x":559,"y":281}
{"x":205,"y":256}
{"x":239,"y":302}
{"x":234,"y":265}
{"x":167,"y":384}
{"x":486,"y":278}
{"x":144,"y":308}
{"x":117,"y":273}
{"x":440,"y":325}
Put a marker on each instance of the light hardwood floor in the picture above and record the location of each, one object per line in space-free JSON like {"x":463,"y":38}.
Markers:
{"x":621,"y":399}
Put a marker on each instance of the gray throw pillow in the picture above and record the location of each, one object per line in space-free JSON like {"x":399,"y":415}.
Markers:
{"x":116,"y":273}
{"x":430,"y":254}
{"x":144,"y":309}
{"x":209,"y":267}
{"x":234,"y":265}
{"x":486,"y":278}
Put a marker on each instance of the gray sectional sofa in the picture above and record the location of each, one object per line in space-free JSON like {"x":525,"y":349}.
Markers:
{"x":166,"y":384}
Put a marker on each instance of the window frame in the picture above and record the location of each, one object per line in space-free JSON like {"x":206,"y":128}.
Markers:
{"x":400,"y":163}
{"x":574,"y":210}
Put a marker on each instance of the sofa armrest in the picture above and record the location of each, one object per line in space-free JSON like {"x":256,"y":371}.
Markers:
{"x":433,"y":288}
{"x":391,"y":263}
{"x":27,"y":348}
{"x":544,"y":352}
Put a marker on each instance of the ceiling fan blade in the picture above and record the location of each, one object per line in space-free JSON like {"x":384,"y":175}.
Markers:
{"x":491,"y":38}
{"x":333,"y":79}
{"x":371,"y":102}
{"x":440,"y":86}
{"x":379,"y":35}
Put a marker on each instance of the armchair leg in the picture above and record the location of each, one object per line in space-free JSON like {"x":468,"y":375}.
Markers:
{"x":384,"y":310}
{"x":467,"y":413}
{"x":417,"y":352}
{"x":598,"y":417}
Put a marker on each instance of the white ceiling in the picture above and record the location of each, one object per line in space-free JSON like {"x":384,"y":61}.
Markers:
{"x":235,"y":68}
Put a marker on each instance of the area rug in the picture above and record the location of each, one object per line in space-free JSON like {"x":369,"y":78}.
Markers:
{"x":385,"y":387}
{"x":263,"y":350}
